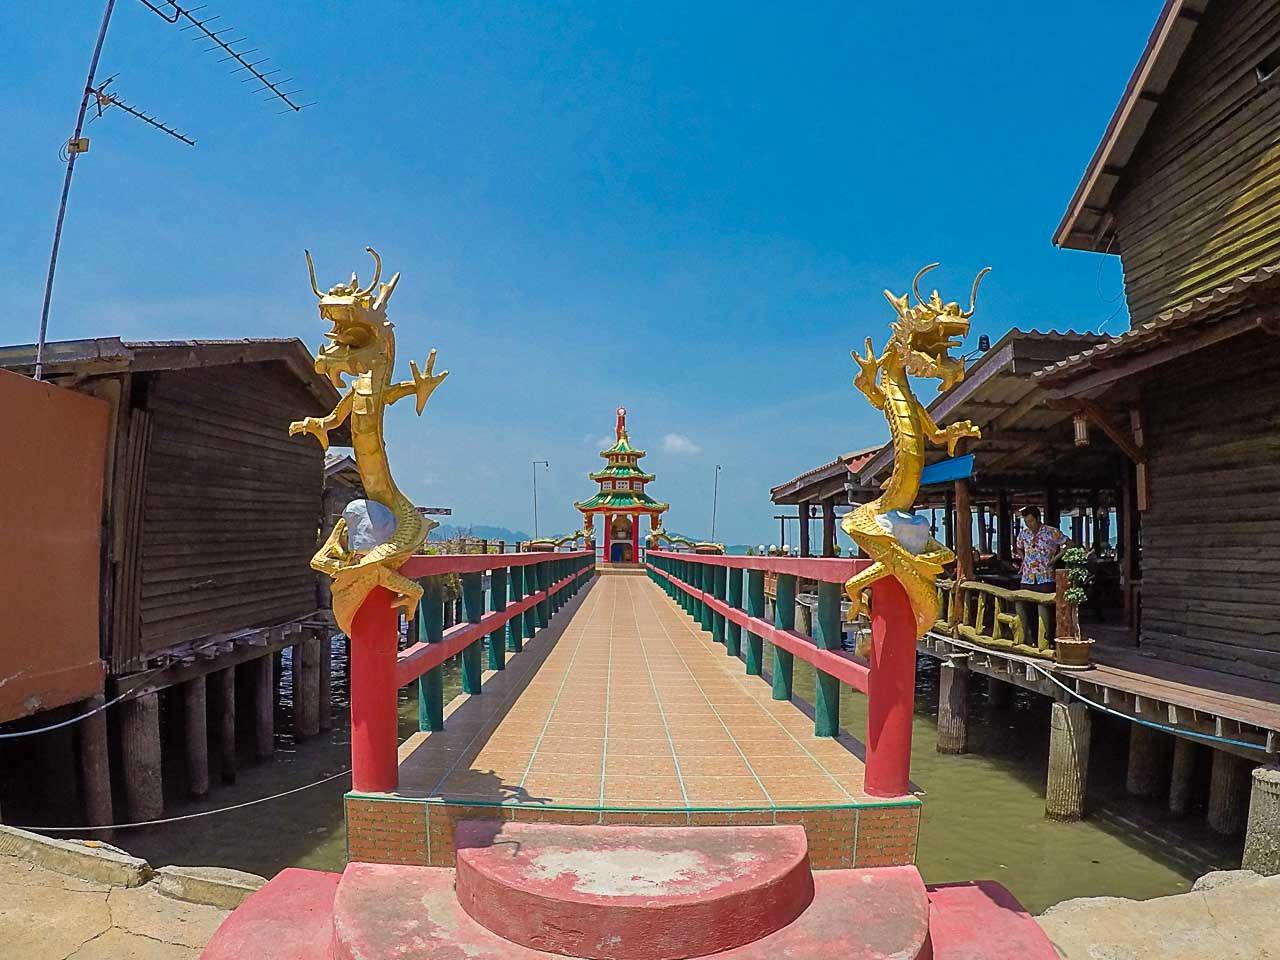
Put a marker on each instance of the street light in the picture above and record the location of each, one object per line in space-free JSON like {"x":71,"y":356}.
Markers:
{"x":547,"y":464}
{"x":715,"y":496}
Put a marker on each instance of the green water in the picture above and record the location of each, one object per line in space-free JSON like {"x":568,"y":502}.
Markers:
{"x":983,"y":812}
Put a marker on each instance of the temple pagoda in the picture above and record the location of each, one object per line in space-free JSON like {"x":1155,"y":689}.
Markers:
{"x":621,"y":500}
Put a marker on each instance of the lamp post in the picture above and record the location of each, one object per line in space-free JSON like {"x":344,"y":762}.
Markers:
{"x":547,"y":464}
{"x":715,"y":496}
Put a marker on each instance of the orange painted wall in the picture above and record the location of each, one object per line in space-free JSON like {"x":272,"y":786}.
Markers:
{"x":52,"y":452}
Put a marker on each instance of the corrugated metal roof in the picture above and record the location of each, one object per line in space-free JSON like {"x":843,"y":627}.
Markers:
{"x":848,"y":461}
{"x":1215,"y":304}
{"x":1001,"y":380}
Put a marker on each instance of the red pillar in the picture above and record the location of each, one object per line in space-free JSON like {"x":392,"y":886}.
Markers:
{"x":374,"y":768}
{"x":635,"y":538}
{"x":891,"y":690}
{"x":608,"y":537}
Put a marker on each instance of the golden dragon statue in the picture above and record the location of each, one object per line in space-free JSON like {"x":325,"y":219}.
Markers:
{"x":898,"y":542}
{"x":362,"y":346}
{"x":656,"y":536}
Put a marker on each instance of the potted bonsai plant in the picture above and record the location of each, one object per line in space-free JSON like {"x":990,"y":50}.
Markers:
{"x":1073,"y":649}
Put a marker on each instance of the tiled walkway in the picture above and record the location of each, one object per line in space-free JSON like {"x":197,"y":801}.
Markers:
{"x":626,"y":703}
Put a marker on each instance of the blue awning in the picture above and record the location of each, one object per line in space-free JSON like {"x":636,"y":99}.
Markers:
{"x":945,"y":471}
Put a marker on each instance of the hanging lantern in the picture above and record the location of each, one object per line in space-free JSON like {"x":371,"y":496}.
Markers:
{"x":1080,"y":424}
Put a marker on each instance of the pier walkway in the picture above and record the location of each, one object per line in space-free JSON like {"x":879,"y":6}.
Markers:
{"x":623,"y":710}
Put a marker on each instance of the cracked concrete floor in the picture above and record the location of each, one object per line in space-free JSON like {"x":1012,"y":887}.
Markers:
{"x":51,"y":916}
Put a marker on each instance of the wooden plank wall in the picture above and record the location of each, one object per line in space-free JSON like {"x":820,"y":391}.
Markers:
{"x":231,"y":503}
{"x":1199,"y":203}
{"x":1211,"y":538}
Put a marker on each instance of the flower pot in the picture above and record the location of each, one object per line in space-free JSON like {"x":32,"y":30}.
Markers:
{"x":1072,"y":652}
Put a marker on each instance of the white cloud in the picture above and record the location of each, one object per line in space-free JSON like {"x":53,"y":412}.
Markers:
{"x":679,"y":443}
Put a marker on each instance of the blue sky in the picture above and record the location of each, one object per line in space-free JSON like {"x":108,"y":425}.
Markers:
{"x":689,"y":210}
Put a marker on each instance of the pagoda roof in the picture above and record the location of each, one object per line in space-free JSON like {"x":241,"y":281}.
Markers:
{"x":622,"y":500}
{"x":621,"y":471}
{"x":622,"y":446}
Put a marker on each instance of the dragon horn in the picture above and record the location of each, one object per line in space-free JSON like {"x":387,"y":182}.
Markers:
{"x":915,"y":284}
{"x":311,"y":269}
{"x":377,"y":272}
{"x":385,"y":294}
{"x":973,"y":294}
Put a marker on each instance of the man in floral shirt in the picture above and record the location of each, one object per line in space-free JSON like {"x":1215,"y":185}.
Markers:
{"x":1039,"y":546}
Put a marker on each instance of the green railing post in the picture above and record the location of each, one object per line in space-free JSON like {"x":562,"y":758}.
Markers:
{"x":431,"y":683}
{"x":553,"y":575}
{"x":733,"y":597}
{"x":755,"y":608}
{"x":706,"y":617}
{"x":717,"y":587}
{"x":543,"y":568}
{"x":826,"y":636}
{"x":473,"y":610}
{"x":497,"y":603}
{"x":530,"y":588}
{"x":515,"y":626}
{"x":784,"y":618}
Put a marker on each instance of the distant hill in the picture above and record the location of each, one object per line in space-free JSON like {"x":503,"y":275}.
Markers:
{"x":482,"y":531}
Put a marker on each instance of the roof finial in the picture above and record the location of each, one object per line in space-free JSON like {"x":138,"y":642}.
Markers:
{"x":621,"y":430}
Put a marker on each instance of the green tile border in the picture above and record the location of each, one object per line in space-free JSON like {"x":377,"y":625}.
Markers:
{"x":604,"y":808}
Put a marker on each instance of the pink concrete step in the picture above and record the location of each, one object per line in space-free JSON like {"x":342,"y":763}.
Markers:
{"x":385,"y":912}
{"x":631,"y":893}
{"x":291,"y":918}
{"x":981,"y":920}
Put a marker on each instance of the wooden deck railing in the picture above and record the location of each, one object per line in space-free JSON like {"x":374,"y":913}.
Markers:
{"x":1020,"y":621}
{"x":725,"y":595}
{"x":526,"y":590}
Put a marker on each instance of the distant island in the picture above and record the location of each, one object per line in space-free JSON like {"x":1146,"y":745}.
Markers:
{"x":480,"y":531}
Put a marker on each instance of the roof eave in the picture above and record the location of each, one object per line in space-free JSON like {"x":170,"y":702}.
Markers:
{"x":1165,"y":46}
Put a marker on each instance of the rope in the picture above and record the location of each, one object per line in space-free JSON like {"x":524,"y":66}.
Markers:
{"x":188,"y":816}
{"x":1180,"y":731}
{"x":66,"y":723}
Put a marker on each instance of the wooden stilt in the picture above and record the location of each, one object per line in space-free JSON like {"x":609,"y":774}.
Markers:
{"x":965,"y":567}
{"x":306,"y":688}
{"x":264,"y":707}
{"x":1262,"y":837}
{"x":1182,"y":775}
{"x":95,"y":765}
{"x":953,"y":706}
{"x":999,"y":694}
{"x":1064,"y":793}
{"x":1150,"y":754}
{"x":196,"y":711}
{"x":140,"y":750}
{"x":1004,"y":522}
{"x":828,"y":528}
{"x":325,"y":714}
{"x":227,"y":723}
{"x":1229,"y":787}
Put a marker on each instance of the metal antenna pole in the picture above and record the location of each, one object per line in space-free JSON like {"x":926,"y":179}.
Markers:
{"x":66,"y":185}
{"x":715,"y":496}
{"x":547,"y":464}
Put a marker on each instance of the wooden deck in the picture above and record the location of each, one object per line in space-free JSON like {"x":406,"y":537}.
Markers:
{"x":1187,"y":699}
{"x":624,"y":711}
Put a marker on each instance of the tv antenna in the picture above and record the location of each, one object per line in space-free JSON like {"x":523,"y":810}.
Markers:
{"x":99,"y":96}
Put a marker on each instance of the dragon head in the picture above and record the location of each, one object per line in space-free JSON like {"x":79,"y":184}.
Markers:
{"x":923,"y":335}
{"x":361,"y":341}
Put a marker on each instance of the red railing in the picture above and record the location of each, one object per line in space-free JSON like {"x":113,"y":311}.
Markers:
{"x":526,"y":590}
{"x":712,"y":590}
